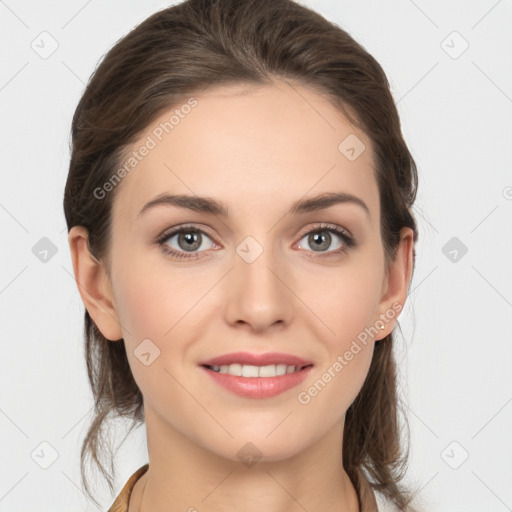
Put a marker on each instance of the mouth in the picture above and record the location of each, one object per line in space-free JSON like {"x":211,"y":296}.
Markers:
{"x":257,"y":375}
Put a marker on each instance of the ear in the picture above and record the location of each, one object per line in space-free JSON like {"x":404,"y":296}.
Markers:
{"x":396,"y":283}
{"x":93,"y":284}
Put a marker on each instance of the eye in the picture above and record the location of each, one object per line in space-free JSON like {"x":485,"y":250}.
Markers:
{"x":321,"y":238}
{"x":188,"y":239}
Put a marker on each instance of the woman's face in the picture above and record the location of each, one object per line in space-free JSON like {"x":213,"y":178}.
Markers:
{"x":256,"y":280}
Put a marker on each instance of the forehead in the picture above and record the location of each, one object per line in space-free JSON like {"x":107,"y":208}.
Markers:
{"x":238,"y":143}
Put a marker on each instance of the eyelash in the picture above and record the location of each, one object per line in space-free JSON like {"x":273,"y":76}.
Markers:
{"x":348,"y":241}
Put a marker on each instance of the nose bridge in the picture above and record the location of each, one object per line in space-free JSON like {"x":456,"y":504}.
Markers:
{"x":258,"y":294}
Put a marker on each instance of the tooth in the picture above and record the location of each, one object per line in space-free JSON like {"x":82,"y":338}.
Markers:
{"x":243,"y":370}
{"x":280,"y":369}
{"x":235,"y":369}
{"x":249,"y":371}
{"x":267,"y":371}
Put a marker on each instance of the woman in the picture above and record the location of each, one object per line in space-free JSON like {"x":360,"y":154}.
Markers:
{"x":239,"y":214}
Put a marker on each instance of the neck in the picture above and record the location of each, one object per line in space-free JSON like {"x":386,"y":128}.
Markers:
{"x":184,"y":476}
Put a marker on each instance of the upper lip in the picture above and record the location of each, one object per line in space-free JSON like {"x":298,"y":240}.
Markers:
{"x":265,"y":359}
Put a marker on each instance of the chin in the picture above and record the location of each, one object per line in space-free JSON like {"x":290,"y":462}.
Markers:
{"x":257,"y":447}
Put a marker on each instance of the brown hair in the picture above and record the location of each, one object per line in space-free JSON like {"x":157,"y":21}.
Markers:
{"x":188,"y":48}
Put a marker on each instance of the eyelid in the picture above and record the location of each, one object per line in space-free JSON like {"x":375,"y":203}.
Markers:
{"x":326,"y":226}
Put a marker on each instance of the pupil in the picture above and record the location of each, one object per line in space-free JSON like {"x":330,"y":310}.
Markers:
{"x":191,"y":240}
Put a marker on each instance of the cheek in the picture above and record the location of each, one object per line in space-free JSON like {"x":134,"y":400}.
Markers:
{"x":151,"y":296}
{"x":163,"y":304}
{"x":148,"y":308}
{"x":349,"y":300}
{"x":332,"y":391}
{"x":136,"y":305}
{"x":348,"y":309}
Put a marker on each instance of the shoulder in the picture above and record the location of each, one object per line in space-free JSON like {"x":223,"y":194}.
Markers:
{"x":121,"y":502}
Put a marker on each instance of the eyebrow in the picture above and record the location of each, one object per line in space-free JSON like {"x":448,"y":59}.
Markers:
{"x":214,"y":207}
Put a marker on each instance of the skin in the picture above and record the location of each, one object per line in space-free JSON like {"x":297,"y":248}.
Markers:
{"x":257,"y":149}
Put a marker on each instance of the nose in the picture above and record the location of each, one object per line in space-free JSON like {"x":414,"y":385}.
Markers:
{"x":259,"y":290}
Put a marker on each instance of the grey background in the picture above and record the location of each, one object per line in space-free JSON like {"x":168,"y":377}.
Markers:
{"x":455,"y":353}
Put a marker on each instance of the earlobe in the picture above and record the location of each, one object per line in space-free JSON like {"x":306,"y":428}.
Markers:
{"x":397,"y":283}
{"x":93,"y":284}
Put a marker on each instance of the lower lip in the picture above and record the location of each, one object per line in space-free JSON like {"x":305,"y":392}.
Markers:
{"x":258,"y":387}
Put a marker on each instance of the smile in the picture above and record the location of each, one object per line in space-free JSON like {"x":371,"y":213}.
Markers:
{"x":256,"y":376}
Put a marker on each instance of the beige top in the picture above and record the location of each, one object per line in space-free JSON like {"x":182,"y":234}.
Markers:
{"x":365,"y":494}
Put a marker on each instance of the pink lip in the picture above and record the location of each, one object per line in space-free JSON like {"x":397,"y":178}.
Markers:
{"x":258,"y":387}
{"x":257,"y":359}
